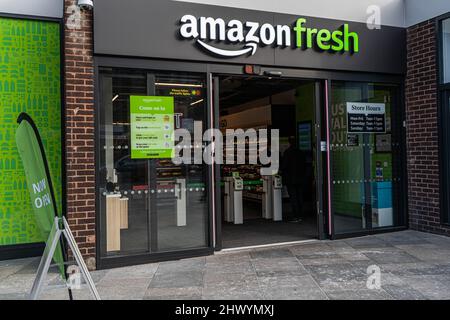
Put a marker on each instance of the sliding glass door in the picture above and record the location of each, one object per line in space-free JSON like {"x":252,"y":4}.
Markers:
{"x":147,"y":203}
{"x":366,"y":158}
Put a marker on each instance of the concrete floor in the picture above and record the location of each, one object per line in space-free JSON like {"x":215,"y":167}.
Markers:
{"x":413,"y":265}
{"x":257,"y":232}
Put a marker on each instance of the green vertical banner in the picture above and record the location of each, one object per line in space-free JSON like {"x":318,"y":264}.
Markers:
{"x":30,"y":81}
{"x":38,"y":179}
{"x":152,"y":127}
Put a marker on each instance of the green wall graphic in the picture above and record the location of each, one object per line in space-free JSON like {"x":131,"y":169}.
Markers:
{"x":29,"y":82}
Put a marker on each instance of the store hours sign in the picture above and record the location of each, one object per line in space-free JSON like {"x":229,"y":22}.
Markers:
{"x":366,"y":117}
{"x":152,"y":127}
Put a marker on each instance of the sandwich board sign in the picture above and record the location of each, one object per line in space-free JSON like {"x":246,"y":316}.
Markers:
{"x":51,"y":224}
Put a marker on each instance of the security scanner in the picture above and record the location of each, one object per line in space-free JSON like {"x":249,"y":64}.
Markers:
{"x":180,"y":195}
{"x":267,"y":197}
{"x":233,"y":199}
{"x":277,"y":198}
{"x":272,"y":198}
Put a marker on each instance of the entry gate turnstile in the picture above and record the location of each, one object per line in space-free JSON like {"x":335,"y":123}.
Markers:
{"x":233,"y":200}
{"x":180,"y":195}
{"x":272,"y":198}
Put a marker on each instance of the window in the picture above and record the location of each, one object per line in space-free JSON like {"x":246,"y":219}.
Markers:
{"x":445,"y":165}
{"x":444,"y":118}
{"x":445,"y":36}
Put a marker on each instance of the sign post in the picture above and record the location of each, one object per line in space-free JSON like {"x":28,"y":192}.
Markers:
{"x":60,"y":228}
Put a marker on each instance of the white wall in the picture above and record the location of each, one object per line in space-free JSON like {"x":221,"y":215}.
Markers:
{"x":399,"y":13}
{"x":392,"y":11}
{"x":43,"y":8}
{"x":421,"y":10}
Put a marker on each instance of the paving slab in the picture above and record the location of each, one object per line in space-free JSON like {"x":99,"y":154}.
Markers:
{"x":291,"y":288}
{"x":282,"y":266}
{"x":320,"y":258}
{"x":132,"y":272}
{"x":338,"y":277}
{"x":211,"y":278}
{"x":428,"y":252}
{"x":367,"y":242}
{"x":245,"y":289}
{"x":271,"y":253}
{"x":432,"y":287}
{"x":177,"y":279}
{"x":366,"y":294}
{"x":312,"y":248}
{"x":413,"y":265}
{"x":417,"y":269}
{"x":188,"y":293}
{"x":10,"y":267}
{"x":195,"y":264}
{"x":387,"y":256}
{"x":403,"y":292}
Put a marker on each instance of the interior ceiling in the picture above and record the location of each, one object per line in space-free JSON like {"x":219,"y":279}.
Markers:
{"x":235,"y":91}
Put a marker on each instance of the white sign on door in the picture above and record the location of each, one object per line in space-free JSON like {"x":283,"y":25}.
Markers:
{"x":366,"y":117}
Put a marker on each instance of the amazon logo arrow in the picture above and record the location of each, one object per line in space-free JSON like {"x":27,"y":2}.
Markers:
{"x":249,"y":48}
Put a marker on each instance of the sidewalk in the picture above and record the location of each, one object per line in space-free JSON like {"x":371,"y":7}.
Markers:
{"x":413,"y":265}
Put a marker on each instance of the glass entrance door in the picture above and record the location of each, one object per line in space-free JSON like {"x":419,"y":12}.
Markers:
{"x":292,"y":106}
{"x":365,"y":157}
{"x":147,"y":203}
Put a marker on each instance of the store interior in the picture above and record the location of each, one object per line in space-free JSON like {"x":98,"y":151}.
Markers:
{"x":256,"y":209}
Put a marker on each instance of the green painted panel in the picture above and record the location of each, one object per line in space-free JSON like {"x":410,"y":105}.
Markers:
{"x":29,"y":82}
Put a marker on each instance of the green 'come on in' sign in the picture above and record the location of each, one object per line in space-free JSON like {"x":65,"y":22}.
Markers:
{"x":152,"y":127}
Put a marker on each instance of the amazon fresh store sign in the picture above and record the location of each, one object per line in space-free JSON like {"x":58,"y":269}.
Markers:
{"x":253,"y":35}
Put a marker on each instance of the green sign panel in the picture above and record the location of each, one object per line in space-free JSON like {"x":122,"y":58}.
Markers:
{"x":30,"y":82}
{"x":152,"y":127}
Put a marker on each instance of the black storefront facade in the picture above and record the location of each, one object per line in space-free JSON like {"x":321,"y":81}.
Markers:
{"x":144,"y":52}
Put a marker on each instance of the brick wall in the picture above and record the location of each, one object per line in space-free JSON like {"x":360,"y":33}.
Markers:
{"x":422,"y":129}
{"x":79,"y":97}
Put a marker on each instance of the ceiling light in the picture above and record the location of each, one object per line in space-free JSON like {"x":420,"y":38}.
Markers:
{"x":164,"y":84}
{"x":196,"y":102}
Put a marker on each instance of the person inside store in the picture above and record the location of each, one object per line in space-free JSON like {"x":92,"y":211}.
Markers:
{"x":292,"y":169}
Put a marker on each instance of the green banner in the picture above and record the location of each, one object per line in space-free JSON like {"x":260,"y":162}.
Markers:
{"x":39,"y":184}
{"x":30,"y":81}
{"x":152,"y":127}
